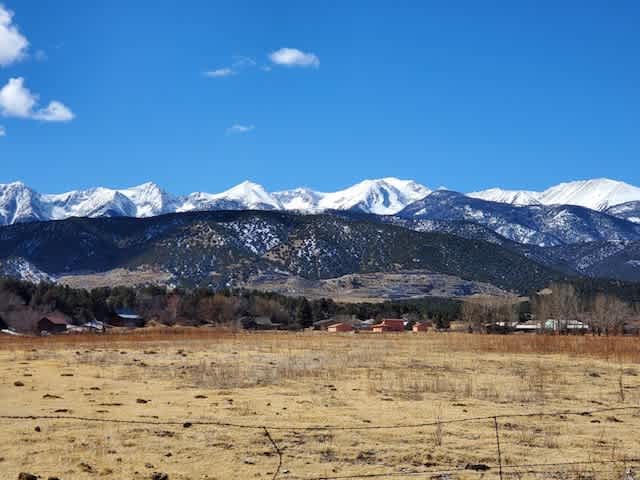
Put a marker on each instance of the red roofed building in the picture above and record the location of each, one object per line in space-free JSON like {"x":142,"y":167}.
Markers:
{"x":389,"y":325}
{"x":340,"y":327}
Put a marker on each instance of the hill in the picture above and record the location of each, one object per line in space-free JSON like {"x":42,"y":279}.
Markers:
{"x":225,"y":248}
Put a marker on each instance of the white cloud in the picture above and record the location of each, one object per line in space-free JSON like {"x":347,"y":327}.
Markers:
{"x":239,"y":63}
{"x":54,"y":112}
{"x":3,"y":131}
{"x":13,"y":45}
{"x":292,"y":57}
{"x":237,"y":129}
{"x":17,"y":101}
{"x":220,"y":72}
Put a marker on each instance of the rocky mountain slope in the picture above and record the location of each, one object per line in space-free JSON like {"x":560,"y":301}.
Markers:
{"x":227,"y":247}
{"x":592,"y":259}
{"x":629,"y":211}
{"x":534,"y":224}
{"x":614,"y":260}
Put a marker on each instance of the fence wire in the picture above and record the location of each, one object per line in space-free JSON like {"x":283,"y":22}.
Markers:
{"x":557,"y":470}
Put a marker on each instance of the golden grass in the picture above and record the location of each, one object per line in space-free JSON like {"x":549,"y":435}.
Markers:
{"x":286,"y":379}
{"x":613,"y":348}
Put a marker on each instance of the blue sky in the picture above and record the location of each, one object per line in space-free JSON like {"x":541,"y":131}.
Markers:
{"x":467,"y":95}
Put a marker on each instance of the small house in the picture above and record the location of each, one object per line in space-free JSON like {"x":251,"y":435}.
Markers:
{"x":340,"y":327}
{"x":420,"y":327}
{"x":54,"y":322}
{"x":125,"y":317}
{"x":572,"y":326}
{"x":389,"y":325}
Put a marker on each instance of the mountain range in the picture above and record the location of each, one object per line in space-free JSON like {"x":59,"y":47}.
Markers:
{"x":581,"y":211}
{"x":596,"y":194}
{"x":386,"y":196}
{"x":19,"y":203}
{"x":301,"y":232}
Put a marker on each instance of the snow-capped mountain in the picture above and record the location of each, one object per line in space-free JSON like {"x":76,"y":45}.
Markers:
{"x":95,"y":202}
{"x":300,"y":199}
{"x":596,"y":194}
{"x":513,"y":197}
{"x":245,"y":196}
{"x":151,"y":200}
{"x":18,"y":204}
{"x":543,"y":225}
{"x":385,"y":196}
{"x":535,"y":218}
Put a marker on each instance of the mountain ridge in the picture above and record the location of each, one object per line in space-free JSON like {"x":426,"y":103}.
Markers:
{"x":596,"y":194}
{"x":226,"y":248}
{"x":383,"y":196}
{"x":520,"y":216}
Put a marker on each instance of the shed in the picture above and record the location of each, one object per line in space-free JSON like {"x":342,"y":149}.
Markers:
{"x":54,"y":322}
{"x":389,"y":325}
{"x":340,"y":327}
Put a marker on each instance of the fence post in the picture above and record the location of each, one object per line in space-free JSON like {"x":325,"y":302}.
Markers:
{"x":495,"y":423}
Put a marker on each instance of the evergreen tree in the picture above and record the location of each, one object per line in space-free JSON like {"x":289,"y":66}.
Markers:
{"x":304,"y":314}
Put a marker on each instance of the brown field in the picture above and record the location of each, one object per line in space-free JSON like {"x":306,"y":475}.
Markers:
{"x":290,"y":381}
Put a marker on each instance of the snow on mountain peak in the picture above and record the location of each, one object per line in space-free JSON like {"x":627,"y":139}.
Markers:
{"x":19,"y":203}
{"x":596,"y":194}
{"x":389,"y":195}
{"x":94,"y":202}
{"x":384,"y":196}
{"x":150,"y":199}
{"x":514,"y":197}
{"x":300,"y":199}
{"x":251,"y":195}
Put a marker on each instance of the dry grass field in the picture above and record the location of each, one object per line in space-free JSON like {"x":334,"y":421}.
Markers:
{"x":160,"y":379}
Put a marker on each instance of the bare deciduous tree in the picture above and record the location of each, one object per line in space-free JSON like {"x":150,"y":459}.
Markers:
{"x":476,"y":314}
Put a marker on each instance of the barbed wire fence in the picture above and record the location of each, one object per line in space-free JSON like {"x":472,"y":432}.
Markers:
{"x":582,"y":470}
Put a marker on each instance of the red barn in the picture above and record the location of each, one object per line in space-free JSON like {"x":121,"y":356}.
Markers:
{"x":340,"y":327}
{"x":389,"y":325}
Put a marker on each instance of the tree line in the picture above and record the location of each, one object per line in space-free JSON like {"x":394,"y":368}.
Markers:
{"x":202,"y":305}
{"x":603,"y":311}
